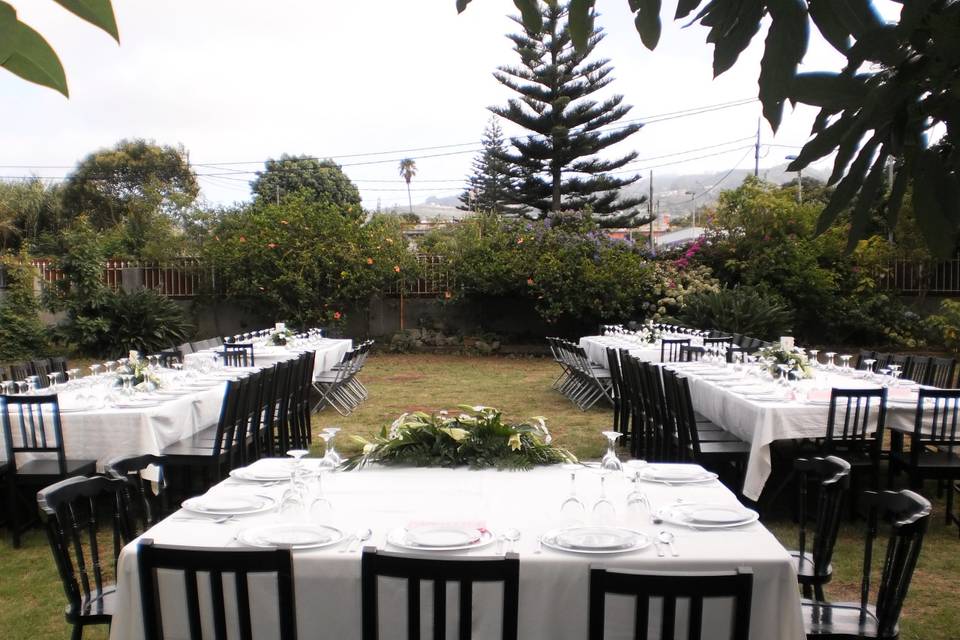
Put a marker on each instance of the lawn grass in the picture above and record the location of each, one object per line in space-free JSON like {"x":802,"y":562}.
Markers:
{"x":31,"y":598}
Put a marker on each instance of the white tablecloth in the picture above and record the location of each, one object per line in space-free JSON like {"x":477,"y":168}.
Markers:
{"x":762,"y":422}
{"x":102,"y":434}
{"x":329,"y":352}
{"x":596,"y":348}
{"x":553,"y":585}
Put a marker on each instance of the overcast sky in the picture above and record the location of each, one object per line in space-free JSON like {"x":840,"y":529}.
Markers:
{"x":239,"y":81}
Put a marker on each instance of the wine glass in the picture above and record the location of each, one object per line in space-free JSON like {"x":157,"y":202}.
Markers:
{"x":785,"y":373}
{"x":895,"y":374}
{"x":331,"y":453}
{"x":603,"y":510}
{"x":638,"y":505}
{"x":830,"y":356}
{"x":127,"y":380}
{"x":845,"y":362}
{"x":814,"y":358}
{"x":610,"y":461}
{"x":109,"y":365}
{"x":23,"y":387}
{"x":8,"y":387}
{"x":868,"y":363}
{"x":33,"y":383}
{"x":95,"y":369}
{"x":572,"y":506}
{"x":73,"y":375}
{"x":54,"y":378}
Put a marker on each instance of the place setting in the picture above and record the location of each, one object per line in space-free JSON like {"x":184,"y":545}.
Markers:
{"x":439,"y":536}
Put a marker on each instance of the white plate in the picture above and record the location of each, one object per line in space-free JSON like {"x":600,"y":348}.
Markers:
{"x":596,"y":538}
{"x":142,"y":404}
{"x":680,"y":514}
{"x":263,"y":472}
{"x":229,"y":504}
{"x":670,"y":474}
{"x":400,"y":538}
{"x":296,"y":535}
{"x":172,"y":393}
{"x":441,"y":536}
{"x":640,"y":541}
{"x":717,"y":515}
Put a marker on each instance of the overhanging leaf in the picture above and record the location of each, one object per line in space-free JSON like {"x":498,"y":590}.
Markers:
{"x":685,"y":7}
{"x":784,"y":47}
{"x":461,"y":5}
{"x":34,"y":60}
{"x":530,"y":15}
{"x":832,"y":91}
{"x":824,"y":15}
{"x":8,"y":29}
{"x":823,"y":144}
{"x":931,"y":185}
{"x":99,"y":13}
{"x":848,"y":187}
{"x":581,"y":23}
{"x":648,"y":22}
{"x":860,"y":218}
{"x":897,"y":190}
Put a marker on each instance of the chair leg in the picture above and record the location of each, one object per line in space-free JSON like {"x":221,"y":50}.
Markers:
{"x":818,"y":591}
{"x":77,"y":633}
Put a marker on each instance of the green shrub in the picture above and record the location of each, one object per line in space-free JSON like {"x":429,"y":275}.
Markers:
{"x":947,"y":324}
{"x":143,"y":320}
{"x":744,"y":310}
{"x":22,"y":335}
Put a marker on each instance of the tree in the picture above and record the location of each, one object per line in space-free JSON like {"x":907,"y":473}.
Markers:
{"x":408,"y":169}
{"x":322,"y":181}
{"x":491,"y":182}
{"x":137,"y":189}
{"x":25,"y":53}
{"x":22,"y":334}
{"x":31,"y":214}
{"x":898,"y":86}
{"x":557,"y":166}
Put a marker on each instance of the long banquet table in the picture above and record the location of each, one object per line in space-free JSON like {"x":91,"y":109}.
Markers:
{"x":553,"y":585}
{"x":329,"y":352}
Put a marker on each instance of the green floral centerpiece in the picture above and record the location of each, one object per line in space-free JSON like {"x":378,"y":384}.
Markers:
{"x":477,"y":437}
{"x":144,"y":377}
{"x":280,"y":337}
{"x":777,"y":355}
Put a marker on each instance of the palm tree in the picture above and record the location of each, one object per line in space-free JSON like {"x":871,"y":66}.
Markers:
{"x":408,"y":169}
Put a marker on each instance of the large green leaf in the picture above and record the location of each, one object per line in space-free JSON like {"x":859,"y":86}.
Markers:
{"x":861,"y":215}
{"x":97,"y":12}
{"x":823,"y":144}
{"x":824,"y":15}
{"x":731,"y":42}
{"x":934,"y":193}
{"x":581,"y":23}
{"x":784,"y":47}
{"x":857,"y":16}
{"x":8,"y":29}
{"x":848,"y":187}
{"x":832,"y":91}
{"x":461,"y":5}
{"x":648,"y":22}
{"x":685,"y":7}
{"x":530,"y":15}
{"x":33,"y":59}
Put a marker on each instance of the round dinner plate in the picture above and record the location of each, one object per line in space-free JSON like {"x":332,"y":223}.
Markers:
{"x":443,"y":536}
{"x":708,"y":516}
{"x":262,"y":472}
{"x":229,"y":504}
{"x":136,"y":404}
{"x":595,"y":540}
{"x":401,"y":538}
{"x":293,"y":534}
{"x":675,"y":474}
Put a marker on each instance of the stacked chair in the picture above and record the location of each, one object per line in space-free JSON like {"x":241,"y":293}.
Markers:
{"x":582,"y":381}
{"x":341,"y":387}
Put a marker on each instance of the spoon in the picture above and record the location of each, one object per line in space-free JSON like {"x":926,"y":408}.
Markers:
{"x":667,"y":538}
{"x":362,"y":537}
{"x":511,"y":536}
{"x":358,"y":537}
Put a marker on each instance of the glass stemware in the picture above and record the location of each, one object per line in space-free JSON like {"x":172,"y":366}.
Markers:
{"x":830,"y":356}
{"x":572,"y":506}
{"x":814,"y":358}
{"x":73,"y":375}
{"x":895,"y":374}
{"x":845,"y":362}
{"x":868,"y":363}
{"x":331,"y":453}
{"x":610,"y":461}
{"x":639,"y":510}
{"x":95,"y":369}
{"x":603,"y":510}
{"x":109,"y":365}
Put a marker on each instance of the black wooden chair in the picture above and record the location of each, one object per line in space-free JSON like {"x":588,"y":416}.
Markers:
{"x":59,"y":365}
{"x":862,"y":357}
{"x":74,"y":511}
{"x":689,"y":353}
{"x":909,"y":514}
{"x":31,"y":426}
{"x":634,"y":412}
{"x":940,"y":373}
{"x":170,"y":357}
{"x":670,"y":348}
{"x":934,"y":443}
{"x":20,"y":371}
{"x":693,"y":588}
{"x":465,"y":571}
{"x":218,"y":564}
{"x":855,"y":424}
{"x":814,"y":568}
{"x":238,"y":355}
{"x":142,"y":504}
{"x":617,"y":393}
{"x":917,"y":370}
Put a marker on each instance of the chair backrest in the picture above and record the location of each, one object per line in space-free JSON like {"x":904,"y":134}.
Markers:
{"x":238,"y":355}
{"x":31,"y":424}
{"x":857,"y":417}
{"x":940,"y":373}
{"x":833,"y":474}
{"x":863,"y":356}
{"x":670,"y":348}
{"x":717,"y":341}
{"x":73,"y":511}
{"x":689,"y":353}
{"x":185,"y":348}
{"x":464,"y":571}
{"x":169,"y":357}
{"x":670,"y":587}
{"x":616,"y":374}
{"x":938,"y":412}
{"x":662,"y":425}
{"x":267,"y":403}
{"x":60,"y":365}
{"x":683,"y":419}
{"x":20,"y":371}
{"x":917,"y":369}
{"x":240,"y":563}
{"x":909,"y":515}
{"x":142,"y":505}
{"x":41,"y":369}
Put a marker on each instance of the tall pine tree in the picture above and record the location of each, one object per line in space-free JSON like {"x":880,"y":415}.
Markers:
{"x":557,"y":165}
{"x":491,"y":185}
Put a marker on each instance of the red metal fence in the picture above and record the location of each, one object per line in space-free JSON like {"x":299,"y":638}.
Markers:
{"x":177,"y":278}
{"x":939,"y":277}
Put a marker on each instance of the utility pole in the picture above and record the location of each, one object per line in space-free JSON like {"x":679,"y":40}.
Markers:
{"x":653,"y":249}
{"x":756,"y":153}
{"x":278,"y":194}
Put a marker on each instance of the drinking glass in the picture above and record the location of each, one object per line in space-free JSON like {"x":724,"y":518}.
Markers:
{"x":603,"y":510}
{"x":8,"y":387}
{"x":895,"y":374}
{"x":95,"y":369}
{"x":23,"y":386}
{"x":72,"y":375}
{"x":830,"y":356}
{"x":33,"y":383}
{"x":109,"y":365}
{"x":331,"y":451}
{"x":785,"y":373}
{"x":54,"y":378}
{"x":610,"y":461}
{"x":127,"y":380}
{"x":572,"y":506}
{"x":884,"y":375}
{"x":638,"y":505}
{"x":326,"y":462}
{"x":845,"y":362}
{"x":814,"y":359}
{"x":869,"y":362}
